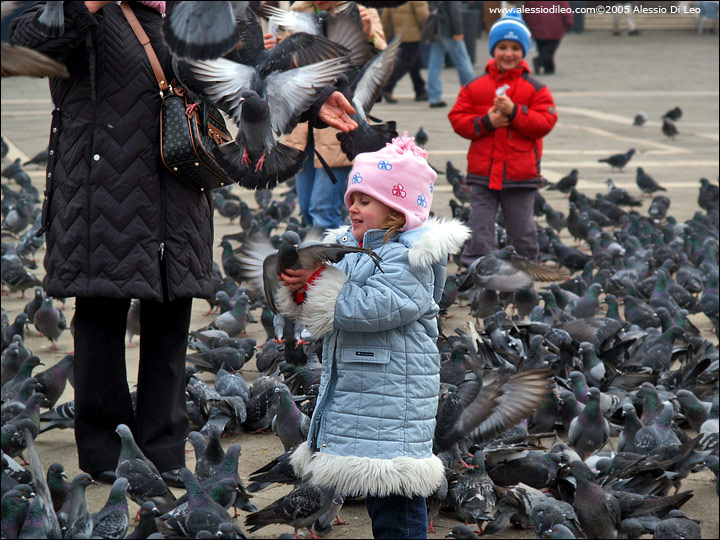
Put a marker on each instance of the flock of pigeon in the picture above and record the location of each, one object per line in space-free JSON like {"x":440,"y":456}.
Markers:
{"x":555,"y":414}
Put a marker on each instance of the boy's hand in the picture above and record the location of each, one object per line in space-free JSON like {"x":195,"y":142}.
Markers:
{"x":497,"y":118}
{"x":296,"y":279}
{"x":503,"y":104}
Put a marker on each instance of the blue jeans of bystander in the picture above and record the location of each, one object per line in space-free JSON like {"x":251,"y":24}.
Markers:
{"x":320,"y":200}
{"x":460,"y":57}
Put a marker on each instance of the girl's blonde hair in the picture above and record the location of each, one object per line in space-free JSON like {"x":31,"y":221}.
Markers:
{"x":394,"y":222}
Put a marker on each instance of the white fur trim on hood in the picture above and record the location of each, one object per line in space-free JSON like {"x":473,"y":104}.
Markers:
{"x":442,"y":237}
{"x":318,"y":311}
{"x":353,"y":476}
{"x":332,"y":235}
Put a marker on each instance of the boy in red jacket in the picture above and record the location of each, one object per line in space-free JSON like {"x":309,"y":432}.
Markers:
{"x":505,"y":113}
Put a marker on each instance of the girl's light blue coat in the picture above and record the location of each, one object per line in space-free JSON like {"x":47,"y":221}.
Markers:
{"x":373,"y":426}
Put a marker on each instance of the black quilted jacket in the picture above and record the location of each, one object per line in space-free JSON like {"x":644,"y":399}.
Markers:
{"x":118,"y":225}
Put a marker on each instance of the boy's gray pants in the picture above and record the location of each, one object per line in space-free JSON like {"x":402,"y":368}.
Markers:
{"x":517,"y":206}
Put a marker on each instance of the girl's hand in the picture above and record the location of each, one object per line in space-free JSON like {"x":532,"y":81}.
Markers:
{"x":504,"y":104}
{"x":497,"y":118}
{"x":296,"y":279}
{"x":366,"y":23}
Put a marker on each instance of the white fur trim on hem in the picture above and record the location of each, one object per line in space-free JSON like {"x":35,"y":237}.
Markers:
{"x":318,"y":313}
{"x":285,"y":303}
{"x":354,"y":476}
{"x":446,"y":236}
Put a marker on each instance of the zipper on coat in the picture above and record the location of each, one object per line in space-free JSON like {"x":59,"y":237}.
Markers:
{"x":162,"y":260}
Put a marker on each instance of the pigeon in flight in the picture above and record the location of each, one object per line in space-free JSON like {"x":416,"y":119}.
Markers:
{"x":202,"y":30}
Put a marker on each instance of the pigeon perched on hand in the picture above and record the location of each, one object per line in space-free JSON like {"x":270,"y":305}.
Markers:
{"x":618,"y":161}
{"x":263,"y":264}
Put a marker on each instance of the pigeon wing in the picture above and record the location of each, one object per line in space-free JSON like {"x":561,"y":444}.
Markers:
{"x":50,"y":521}
{"x":290,"y":93}
{"x":200,"y":30}
{"x":522,"y":394}
{"x":229,"y":78}
{"x":292,"y":21}
{"x":345,"y":28}
{"x":375,"y":75}
{"x":536,"y":271}
{"x":301,"y":49}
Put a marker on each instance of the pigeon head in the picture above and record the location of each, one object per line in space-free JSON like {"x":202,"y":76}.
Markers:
{"x":290,"y":239}
{"x":253,"y":107}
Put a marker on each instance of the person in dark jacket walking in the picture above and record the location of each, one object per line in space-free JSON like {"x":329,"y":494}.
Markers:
{"x":547,"y":25}
{"x":118,"y":226}
{"x":448,"y":38}
{"x":505,"y":113}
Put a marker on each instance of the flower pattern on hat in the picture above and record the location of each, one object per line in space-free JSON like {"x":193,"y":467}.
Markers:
{"x":357,"y":178}
{"x":399,"y":191}
{"x":384,"y":165}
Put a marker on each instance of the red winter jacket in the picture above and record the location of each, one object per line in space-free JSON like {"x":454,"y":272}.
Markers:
{"x":510,"y":153}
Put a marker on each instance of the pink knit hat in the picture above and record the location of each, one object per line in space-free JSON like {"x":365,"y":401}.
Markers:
{"x":397,"y":176}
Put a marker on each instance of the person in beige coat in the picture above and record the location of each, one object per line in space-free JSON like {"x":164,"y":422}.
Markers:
{"x":406,"y":21}
{"x":320,"y":200}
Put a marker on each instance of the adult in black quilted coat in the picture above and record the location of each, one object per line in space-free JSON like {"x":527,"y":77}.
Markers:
{"x":118,"y":226}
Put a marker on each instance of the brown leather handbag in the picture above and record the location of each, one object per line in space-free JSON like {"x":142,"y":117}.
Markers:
{"x":186,"y":144}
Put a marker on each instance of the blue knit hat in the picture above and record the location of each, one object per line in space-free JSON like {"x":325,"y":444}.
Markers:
{"x":512,"y":27}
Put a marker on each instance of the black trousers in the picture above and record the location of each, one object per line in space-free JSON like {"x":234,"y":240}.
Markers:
{"x":546,"y":54}
{"x":409,"y":60}
{"x":102,"y":397}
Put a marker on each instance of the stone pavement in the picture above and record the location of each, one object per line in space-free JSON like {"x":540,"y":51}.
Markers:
{"x":601,"y":83}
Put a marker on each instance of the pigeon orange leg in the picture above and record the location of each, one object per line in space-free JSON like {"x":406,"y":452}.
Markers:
{"x":431,"y":529}
{"x":246,"y":158}
{"x":313,"y":535}
{"x":191,"y":108}
{"x":260,"y":163}
{"x":339,"y":521}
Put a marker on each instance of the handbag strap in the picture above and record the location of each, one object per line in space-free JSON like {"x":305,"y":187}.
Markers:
{"x":145,"y":42}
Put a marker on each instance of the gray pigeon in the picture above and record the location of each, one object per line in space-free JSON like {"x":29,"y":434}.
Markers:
{"x":618,"y":161}
{"x":201,"y":30}
{"x":506,"y":270}
{"x":473,"y":495}
{"x":677,"y":525}
{"x":546,"y":514}
{"x":48,"y":520}
{"x":113,"y":519}
{"x":203,"y":513}
{"x":79,"y":519}
{"x":597,"y":510}
{"x":589,"y":431}
{"x":147,"y":526}
{"x":53,"y":380}
{"x":647,"y":183}
{"x":659,"y":433}
{"x":145,"y":482}
{"x":289,"y":423}
{"x":50,"y":321}
{"x":299,"y":509}
{"x":668,"y":128}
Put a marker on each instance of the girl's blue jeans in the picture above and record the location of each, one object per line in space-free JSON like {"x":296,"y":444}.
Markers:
{"x":397,"y":517}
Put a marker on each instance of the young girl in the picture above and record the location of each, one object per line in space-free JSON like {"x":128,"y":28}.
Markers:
{"x":505,"y":113}
{"x":372,"y":430}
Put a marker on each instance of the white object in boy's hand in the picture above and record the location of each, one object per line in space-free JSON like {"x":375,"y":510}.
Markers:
{"x":501,"y":91}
